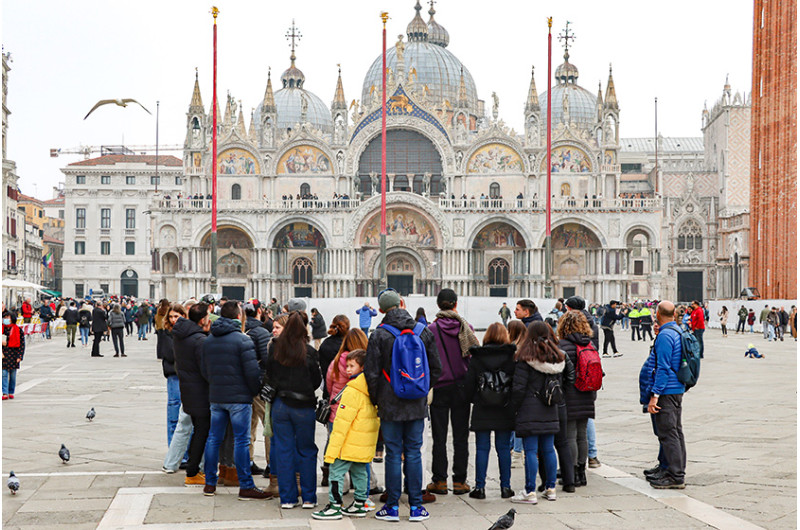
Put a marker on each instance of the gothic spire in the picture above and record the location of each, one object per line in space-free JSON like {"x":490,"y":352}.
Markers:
{"x":251,"y":133}
{"x":268,"y":105}
{"x":611,"y":94}
{"x":462,"y":91}
{"x":338,"y":96}
{"x":197,"y":101}
{"x":532,"y":105}
{"x":240,"y":128}
{"x":228,"y":118}
{"x":599,"y":100}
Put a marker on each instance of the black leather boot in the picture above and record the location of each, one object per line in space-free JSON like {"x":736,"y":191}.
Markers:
{"x":580,"y":475}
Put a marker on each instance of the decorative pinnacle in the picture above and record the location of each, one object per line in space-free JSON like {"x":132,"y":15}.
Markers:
{"x":339,"y":66}
{"x":549,"y":23}
{"x":385,"y":17}
{"x":293,"y":34}
{"x":432,"y":11}
{"x":269,"y":72}
{"x":214,"y":13}
{"x":195,"y":73}
{"x":566,"y":36}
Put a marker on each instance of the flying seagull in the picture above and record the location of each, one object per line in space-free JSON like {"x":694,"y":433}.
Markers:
{"x":505,"y":521}
{"x":119,"y":102}
{"x":91,"y":414}
{"x":13,"y":483}
{"x":64,"y":453}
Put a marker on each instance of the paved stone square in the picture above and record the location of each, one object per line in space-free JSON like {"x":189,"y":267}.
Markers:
{"x":740,"y":425}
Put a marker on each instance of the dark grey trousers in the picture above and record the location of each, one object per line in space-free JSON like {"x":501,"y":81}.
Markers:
{"x":670,"y":434}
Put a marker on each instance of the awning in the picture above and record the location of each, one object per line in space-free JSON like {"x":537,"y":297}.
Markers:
{"x":57,"y":294}
{"x":21,"y":284}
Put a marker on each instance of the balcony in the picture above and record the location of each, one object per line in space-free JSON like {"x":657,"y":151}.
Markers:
{"x":194,"y":171}
{"x":293,"y":205}
{"x":559,"y":204}
{"x":610,"y":168}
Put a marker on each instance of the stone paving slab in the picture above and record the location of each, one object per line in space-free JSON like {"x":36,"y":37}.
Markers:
{"x":741,"y":437}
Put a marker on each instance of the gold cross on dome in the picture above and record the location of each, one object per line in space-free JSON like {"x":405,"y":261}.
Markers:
{"x":293,"y":34}
{"x":567,"y":36}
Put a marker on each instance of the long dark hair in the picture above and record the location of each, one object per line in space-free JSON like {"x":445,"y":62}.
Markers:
{"x":290,"y":347}
{"x":540,"y":345}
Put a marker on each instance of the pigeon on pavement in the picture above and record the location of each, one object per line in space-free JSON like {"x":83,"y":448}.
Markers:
{"x":91,"y":414}
{"x":13,"y":483}
{"x":505,"y":521}
{"x":64,"y":453}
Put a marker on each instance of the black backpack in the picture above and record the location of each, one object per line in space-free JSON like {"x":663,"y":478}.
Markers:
{"x":494,"y":388}
{"x":84,"y":319}
{"x":551,"y":392}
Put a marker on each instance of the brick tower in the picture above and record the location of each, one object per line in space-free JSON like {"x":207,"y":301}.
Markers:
{"x":773,"y":152}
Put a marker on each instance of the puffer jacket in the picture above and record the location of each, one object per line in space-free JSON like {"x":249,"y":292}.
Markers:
{"x":489,"y":358}
{"x":454,"y":365}
{"x":166,"y":352}
{"x":532,"y":416}
{"x":580,"y":405}
{"x":365,"y":315}
{"x":261,"y":337}
{"x":379,"y":358}
{"x":187,"y":343}
{"x":355,"y":431}
{"x":336,"y":384}
{"x":229,"y":364}
{"x":116,"y":320}
{"x":668,"y":353}
{"x":71,"y":316}
{"x":318,"y":328}
{"x":647,"y":376}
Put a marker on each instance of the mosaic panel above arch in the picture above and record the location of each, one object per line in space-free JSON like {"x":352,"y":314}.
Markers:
{"x":304,"y":159}
{"x":403,"y":226}
{"x":229,"y":237}
{"x":498,"y":235}
{"x":299,"y":235}
{"x":568,"y":159}
{"x":574,"y":235}
{"x":237,"y":162}
{"x":495,"y":158}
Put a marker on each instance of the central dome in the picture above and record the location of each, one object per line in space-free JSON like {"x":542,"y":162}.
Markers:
{"x":435,"y":65}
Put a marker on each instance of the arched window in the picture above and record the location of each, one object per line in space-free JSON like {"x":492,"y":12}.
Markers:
{"x":232,"y":265}
{"x":302,"y":271}
{"x":407,"y":153}
{"x":498,"y":272}
{"x":566,"y":191}
{"x":690,"y":236}
{"x":236,"y":192}
{"x":494,"y":190}
{"x":305,"y":189}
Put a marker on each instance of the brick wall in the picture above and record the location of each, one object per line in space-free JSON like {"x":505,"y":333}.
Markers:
{"x":773,"y":155}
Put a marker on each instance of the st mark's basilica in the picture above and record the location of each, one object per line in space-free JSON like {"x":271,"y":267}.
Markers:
{"x":299,"y":191}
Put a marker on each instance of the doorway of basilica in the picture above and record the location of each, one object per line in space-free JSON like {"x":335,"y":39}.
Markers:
{"x":401,"y":272}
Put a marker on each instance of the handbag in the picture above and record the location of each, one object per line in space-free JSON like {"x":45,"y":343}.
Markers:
{"x":268,"y":393}
{"x":267,"y":420}
{"x":323,"y":411}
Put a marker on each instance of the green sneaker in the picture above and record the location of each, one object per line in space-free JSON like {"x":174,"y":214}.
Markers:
{"x":330,"y":512}
{"x":356,"y":509}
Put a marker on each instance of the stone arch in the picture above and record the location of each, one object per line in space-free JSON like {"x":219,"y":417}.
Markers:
{"x":167,"y":236}
{"x":440,"y":142}
{"x":307,"y":142}
{"x":407,"y":225}
{"x":423,"y":265}
{"x":229,"y":235}
{"x":228,"y":146}
{"x":504,"y":142}
{"x":356,"y":221}
{"x":278,"y":226}
{"x":169,"y":263}
{"x":204,"y":230}
{"x":497,"y":219}
{"x":639,"y":229}
{"x":597,"y":232}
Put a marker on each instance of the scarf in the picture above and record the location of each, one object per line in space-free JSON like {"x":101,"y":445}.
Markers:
{"x":13,"y":336}
{"x":466,"y":337}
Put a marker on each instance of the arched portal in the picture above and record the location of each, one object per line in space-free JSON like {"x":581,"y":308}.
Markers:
{"x":235,"y":257}
{"x":575,"y":255}
{"x":402,"y":273}
{"x":129,"y":283}
{"x":499,"y":272}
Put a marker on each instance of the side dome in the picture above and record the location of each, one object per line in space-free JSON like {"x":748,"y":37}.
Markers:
{"x":289,"y":105}
{"x":581,"y":103}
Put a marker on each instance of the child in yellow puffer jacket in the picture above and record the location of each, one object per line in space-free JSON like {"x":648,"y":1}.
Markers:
{"x":352,"y":443}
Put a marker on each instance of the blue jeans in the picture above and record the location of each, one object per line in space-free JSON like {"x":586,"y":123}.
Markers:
{"x":173,"y":405}
{"x":46,"y":330}
{"x":699,"y":334}
{"x":180,"y":441}
{"x":366,"y":331}
{"x":516,"y":442}
{"x":539,"y":444}
{"x":591,"y":437}
{"x":84,"y":336}
{"x":403,"y":437}
{"x":502,"y":445}
{"x":239,"y":415}
{"x":770,"y":334}
{"x":9,"y":381}
{"x":295,"y":450}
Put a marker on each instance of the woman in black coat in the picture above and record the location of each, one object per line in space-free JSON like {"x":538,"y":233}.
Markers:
{"x":492,"y":362}
{"x":340,"y":325}
{"x":574,"y":331}
{"x":538,"y":361}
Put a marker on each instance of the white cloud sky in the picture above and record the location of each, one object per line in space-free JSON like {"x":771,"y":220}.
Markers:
{"x":68,"y":55}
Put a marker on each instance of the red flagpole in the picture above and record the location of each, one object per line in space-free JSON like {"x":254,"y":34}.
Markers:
{"x":383,"y":280}
{"x":548,"y":259}
{"x":214,"y":12}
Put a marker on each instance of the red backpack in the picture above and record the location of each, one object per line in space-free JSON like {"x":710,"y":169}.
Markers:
{"x":589,"y":370}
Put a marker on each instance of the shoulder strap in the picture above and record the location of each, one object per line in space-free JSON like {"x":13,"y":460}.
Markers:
{"x":419,"y":328}
{"x":391,"y":329}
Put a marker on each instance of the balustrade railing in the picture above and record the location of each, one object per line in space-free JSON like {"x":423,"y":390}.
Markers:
{"x":267,"y":205}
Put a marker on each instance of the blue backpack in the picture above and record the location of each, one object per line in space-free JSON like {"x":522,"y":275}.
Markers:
{"x":410,"y":377}
{"x":689,"y":371}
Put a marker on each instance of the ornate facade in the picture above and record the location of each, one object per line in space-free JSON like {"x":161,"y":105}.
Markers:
{"x":465,"y":192}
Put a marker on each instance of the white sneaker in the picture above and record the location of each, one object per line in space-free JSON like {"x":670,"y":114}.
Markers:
{"x":309,"y":505}
{"x":617,"y":354}
{"x":524,"y":498}
{"x":289,"y":505}
{"x":606,"y":355}
{"x":369,"y":505}
{"x":167,"y":470}
{"x":549,"y":494}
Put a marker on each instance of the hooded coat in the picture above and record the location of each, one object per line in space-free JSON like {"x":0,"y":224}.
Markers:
{"x":318,"y":328}
{"x":187,"y":343}
{"x":532,"y":416}
{"x":454,"y":365}
{"x":379,"y":358}
{"x":229,"y":364}
{"x":355,"y":431}
{"x":580,"y":405}
{"x":489,"y":358}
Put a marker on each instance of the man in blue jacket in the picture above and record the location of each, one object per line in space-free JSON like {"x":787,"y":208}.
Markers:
{"x":666,"y":400}
{"x":365,"y":315}
{"x":234,"y":378}
{"x":607,"y":322}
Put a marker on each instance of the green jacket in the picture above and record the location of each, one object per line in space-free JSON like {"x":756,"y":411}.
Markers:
{"x":764,"y":314}
{"x":742,"y":313}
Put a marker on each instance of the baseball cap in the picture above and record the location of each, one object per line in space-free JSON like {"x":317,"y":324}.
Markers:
{"x":387,"y":299}
{"x":296,"y":304}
